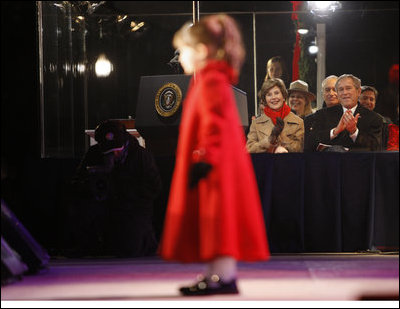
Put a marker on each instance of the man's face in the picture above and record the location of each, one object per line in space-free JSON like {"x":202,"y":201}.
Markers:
{"x":347,"y":93}
{"x":329,"y":92}
{"x":367,"y":99}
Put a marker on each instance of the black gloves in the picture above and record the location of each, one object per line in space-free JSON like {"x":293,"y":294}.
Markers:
{"x":198,"y":171}
{"x":273,"y":138}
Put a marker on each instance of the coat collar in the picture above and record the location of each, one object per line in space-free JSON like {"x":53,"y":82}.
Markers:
{"x":221,"y":66}
{"x":290,"y":118}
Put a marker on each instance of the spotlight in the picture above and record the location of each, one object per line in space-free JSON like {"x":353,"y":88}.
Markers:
{"x":313,"y":49}
{"x":136,"y":26}
{"x":302,"y":31}
{"x":121,"y":18}
{"x":323,"y":8}
{"x":79,"y":19}
{"x":103,"y":66}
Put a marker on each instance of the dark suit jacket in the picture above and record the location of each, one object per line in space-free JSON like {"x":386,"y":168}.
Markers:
{"x":318,"y":127}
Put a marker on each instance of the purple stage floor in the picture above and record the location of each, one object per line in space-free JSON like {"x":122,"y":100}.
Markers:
{"x":341,"y":277}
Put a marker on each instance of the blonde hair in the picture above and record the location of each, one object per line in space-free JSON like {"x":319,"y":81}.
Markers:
{"x":307,"y":108}
{"x":219,"y":32}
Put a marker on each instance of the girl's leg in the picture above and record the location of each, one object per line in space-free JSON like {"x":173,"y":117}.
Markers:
{"x":220,"y":278}
{"x":224,"y":267}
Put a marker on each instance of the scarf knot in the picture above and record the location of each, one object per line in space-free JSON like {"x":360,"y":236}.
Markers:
{"x":273,"y":114}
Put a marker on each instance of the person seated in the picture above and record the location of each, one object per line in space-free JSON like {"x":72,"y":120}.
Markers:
{"x":330,"y":97}
{"x":368,"y":98}
{"x":114,"y":188}
{"x":277,"y":129}
{"x":300,"y":98}
{"x":348,"y":125}
{"x":329,"y":93}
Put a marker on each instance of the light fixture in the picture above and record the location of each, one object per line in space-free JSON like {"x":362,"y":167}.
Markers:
{"x":121,"y":18}
{"x":103,"y":66}
{"x":302,"y":31}
{"x":79,"y":19}
{"x":323,"y":8}
{"x":136,"y":26}
{"x":313,"y":49}
{"x":80,"y":68}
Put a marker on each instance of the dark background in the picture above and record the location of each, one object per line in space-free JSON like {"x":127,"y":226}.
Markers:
{"x":38,"y":181}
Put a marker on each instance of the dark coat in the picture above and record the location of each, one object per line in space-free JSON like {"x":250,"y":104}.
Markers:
{"x":318,"y":127}
{"x":115,"y":205}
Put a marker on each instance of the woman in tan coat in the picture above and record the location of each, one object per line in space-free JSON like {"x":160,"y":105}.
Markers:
{"x":278,"y":129}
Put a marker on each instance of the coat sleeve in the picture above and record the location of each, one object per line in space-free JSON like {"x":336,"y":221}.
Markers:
{"x":296,"y":139}
{"x":215,"y":97}
{"x":370,"y":135}
{"x":253,"y":144}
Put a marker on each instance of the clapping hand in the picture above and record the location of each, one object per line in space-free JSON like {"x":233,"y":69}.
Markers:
{"x":347,"y":122}
{"x":276,"y":131}
{"x":350,"y":121}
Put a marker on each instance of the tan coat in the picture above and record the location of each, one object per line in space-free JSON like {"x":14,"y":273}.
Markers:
{"x":292,"y":136}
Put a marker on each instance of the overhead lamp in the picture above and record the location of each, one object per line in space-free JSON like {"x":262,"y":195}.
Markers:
{"x":313,"y":49}
{"x":136,"y":26}
{"x":120,"y":18}
{"x":323,"y":8}
{"x":79,"y":19}
{"x":302,"y":31}
{"x":80,"y":68}
{"x":103,"y":66}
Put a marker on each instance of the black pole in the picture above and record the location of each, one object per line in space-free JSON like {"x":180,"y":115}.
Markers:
{"x":196,"y":11}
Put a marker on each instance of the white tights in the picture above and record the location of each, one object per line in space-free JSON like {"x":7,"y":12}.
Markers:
{"x":225,"y":267}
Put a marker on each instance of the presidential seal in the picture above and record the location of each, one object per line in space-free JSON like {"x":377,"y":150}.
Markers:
{"x":168,"y":99}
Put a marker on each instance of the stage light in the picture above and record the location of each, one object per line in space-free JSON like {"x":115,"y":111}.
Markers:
{"x":79,"y":19}
{"x":302,"y":31}
{"x":103,"y":66}
{"x":136,"y":26}
{"x":121,"y":18}
{"x":323,"y":8}
{"x":313,"y":49}
{"x":80,"y":68}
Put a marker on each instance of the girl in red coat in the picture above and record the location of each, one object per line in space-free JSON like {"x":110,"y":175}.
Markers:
{"x":214,"y":212}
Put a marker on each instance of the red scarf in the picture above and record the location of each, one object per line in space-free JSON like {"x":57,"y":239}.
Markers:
{"x":273,"y":114}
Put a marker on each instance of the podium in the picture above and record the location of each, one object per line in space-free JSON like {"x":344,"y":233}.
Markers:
{"x":159,"y":109}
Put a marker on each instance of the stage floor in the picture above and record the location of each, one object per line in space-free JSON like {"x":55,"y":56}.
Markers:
{"x":342,"y":277}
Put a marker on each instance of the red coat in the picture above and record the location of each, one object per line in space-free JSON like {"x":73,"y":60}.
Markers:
{"x":223,"y":215}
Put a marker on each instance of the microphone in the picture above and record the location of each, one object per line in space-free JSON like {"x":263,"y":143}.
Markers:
{"x":175,"y":58}
{"x":174,"y":62}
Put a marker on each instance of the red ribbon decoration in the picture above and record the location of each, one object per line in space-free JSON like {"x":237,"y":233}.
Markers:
{"x":296,"y":51}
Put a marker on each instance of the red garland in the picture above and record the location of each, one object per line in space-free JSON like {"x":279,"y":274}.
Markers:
{"x":296,"y":51}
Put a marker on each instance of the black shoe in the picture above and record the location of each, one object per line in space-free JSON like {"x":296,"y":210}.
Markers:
{"x":211,"y":286}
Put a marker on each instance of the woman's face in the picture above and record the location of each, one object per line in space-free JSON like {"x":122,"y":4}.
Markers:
{"x":275,"y":70}
{"x":274,"y":98}
{"x":297,"y":102}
